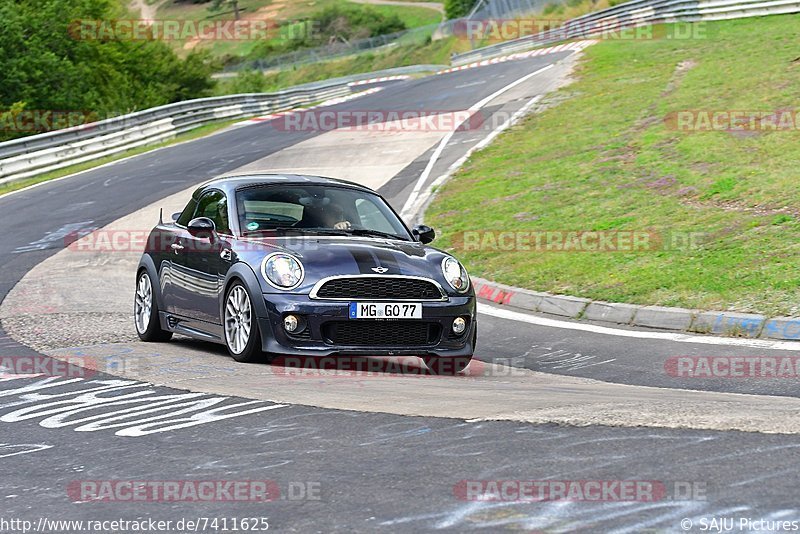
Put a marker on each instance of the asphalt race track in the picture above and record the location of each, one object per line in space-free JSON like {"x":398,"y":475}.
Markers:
{"x":387,"y":453}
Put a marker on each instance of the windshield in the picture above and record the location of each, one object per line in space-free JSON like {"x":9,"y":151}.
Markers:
{"x":315,"y":209}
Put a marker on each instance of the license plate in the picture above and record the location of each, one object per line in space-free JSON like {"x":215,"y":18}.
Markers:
{"x":386,"y":310}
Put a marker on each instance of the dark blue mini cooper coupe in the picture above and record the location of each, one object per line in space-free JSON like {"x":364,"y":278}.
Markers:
{"x":304,"y":266}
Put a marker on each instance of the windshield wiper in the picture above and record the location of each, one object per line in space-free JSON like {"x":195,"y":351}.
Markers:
{"x":288,"y":229}
{"x":328,"y":231}
{"x":376,"y":233}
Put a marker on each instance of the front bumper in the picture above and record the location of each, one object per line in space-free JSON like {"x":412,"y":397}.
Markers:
{"x":326,"y":319}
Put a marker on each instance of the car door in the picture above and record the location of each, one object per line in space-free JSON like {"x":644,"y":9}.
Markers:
{"x":207,"y":259}
{"x":174,"y":289}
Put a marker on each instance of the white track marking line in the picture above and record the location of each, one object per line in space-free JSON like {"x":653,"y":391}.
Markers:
{"x":664,"y":336}
{"x":378,"y":80}
{"x":471,"y":84}
{"x":407,"y":207}
{"x":423,"y":197}
{"x":33,"y":447}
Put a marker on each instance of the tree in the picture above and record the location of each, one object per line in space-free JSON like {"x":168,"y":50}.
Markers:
{"x":49,"y":63}
{"x":333,"y":24}
{"x":458,"y":8}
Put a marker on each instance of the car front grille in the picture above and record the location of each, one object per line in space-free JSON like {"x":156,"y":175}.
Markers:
{"x":382,"y":333}
{"x":383,"y":287}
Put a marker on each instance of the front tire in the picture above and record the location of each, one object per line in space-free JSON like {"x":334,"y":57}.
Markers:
{"x":145,"y":311}
{"x":240,"y":326}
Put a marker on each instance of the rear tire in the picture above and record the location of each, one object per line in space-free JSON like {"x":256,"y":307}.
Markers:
{"x":440,"y":365}
{"x":145,"y":311}
{"x":240,"y":326}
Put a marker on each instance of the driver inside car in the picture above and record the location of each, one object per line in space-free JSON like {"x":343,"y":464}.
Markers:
{"x":328,"y":216}
{"x":336,"y":216}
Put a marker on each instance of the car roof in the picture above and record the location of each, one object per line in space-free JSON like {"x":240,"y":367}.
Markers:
{"x":232,"y":182}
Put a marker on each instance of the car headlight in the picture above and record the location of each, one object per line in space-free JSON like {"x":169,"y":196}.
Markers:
{"x":455,"y":274}
{"x":282,"y":270}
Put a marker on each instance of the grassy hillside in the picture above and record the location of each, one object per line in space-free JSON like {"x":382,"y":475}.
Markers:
{"x":282,"y":12}
{"x":437,"y":52}
{"x":609,"y":157}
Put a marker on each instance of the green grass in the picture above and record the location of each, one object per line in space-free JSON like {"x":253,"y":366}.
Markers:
{"x":413,"y":17}
{"x":201,"y":131}
{"x":604,"y":158}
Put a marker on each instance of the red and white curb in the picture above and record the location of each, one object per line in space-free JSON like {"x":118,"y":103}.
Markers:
{"x":747,"y":329}
{"x":377,"y":80}
{"x":574,"y":47}
{"x":331,"y":102}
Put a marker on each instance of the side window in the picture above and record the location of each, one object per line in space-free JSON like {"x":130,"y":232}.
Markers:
{"x":188,"y":213}
{"x":214,"y":206}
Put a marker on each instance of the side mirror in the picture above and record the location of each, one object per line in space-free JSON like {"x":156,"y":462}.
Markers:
{"x":201,"y":227}
{"x":423,"y":234}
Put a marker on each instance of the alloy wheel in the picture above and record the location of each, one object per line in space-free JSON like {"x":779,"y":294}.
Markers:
{"x":143,"y":304}
{"x":238,"y":319}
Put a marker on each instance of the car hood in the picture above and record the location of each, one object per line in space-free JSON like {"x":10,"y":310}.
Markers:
{"x":334,"y":256}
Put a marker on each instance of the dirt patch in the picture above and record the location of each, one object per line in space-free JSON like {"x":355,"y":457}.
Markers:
{"x":626,"y":154}
{"x":677,"y":76}
{"x":269,"y":12}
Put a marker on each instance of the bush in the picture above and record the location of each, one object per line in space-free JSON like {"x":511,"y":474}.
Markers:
{"x":347,"y":22}
{"x":458,"y":8}
{"x":248,"y":81}
{"x":334,"y":24}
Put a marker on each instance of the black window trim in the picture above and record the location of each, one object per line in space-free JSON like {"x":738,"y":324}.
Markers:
{"x":355,"y":187}
{"x":200,"y":194}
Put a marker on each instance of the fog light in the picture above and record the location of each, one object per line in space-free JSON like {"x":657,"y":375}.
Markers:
{"x":290,"y":323}
{"x":459,"y":325}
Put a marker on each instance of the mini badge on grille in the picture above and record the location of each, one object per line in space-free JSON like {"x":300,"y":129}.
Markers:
{"x":380,"y":270}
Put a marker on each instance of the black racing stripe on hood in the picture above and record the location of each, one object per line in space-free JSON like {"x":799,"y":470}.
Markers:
{"x":364,"y":260}
{"x":386,"y":259}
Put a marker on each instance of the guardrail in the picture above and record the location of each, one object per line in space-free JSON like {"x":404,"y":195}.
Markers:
{"x":39,"y":154}
{"x":632,"y":14}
